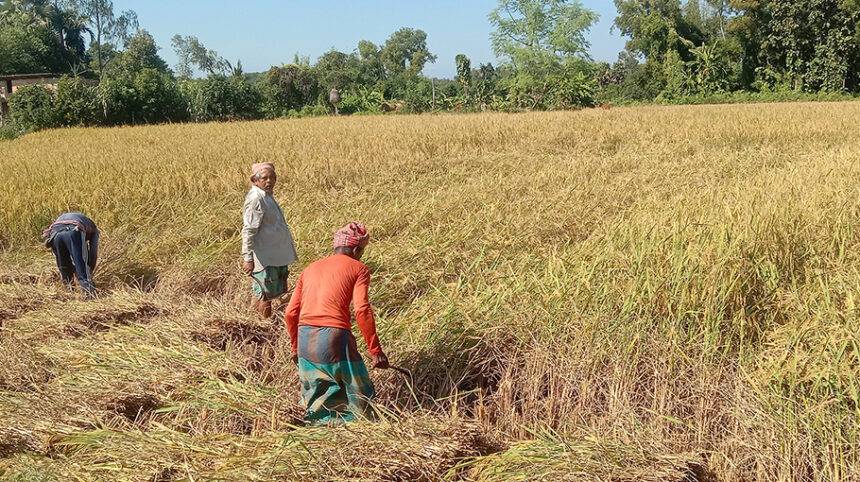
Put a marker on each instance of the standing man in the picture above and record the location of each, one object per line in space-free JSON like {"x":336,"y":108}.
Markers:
{"x":335,"y":384}
{"x":74,"y":240}
{"x":267,"y":244}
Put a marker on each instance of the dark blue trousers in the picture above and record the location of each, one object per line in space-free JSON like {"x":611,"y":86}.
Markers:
{"x":72,"y":253}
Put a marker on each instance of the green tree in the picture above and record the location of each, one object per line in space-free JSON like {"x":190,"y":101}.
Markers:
{"x":290,"y":87}
{"x":138,"y":88}
{"x":140,"y":53}
{"x":464,"y":72}
{"x":32,"y":108}
{"x":370,"y":63}
{"x":630,"y":79}
{"x":223,"y":98}
{"x":107,"y":30}
{"x":535,"y":33}
{"x":484,"y":79}
{"x":806,"y":45}
{"x":66,"y":24}
{"x":39,"y":36}
{"x":77,"y":102}
{"x":655,"y":27}
{"x":192,"y":53}
{"x":338,"y":70}
{"x":717,"y":22}
{"x":405,"y":52}
{"x":545,"y":43}
{"x":27,"y":48}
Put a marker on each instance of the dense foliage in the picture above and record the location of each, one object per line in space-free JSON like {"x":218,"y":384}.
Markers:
{"x":706,"y":47}
{"x":678,"y":51}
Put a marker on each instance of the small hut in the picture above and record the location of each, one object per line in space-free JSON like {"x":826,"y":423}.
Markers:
{"x":10,"y":83}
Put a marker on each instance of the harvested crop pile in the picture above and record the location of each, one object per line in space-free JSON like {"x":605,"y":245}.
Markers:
{"x":100,"y":321}
{"x":221,"y":333}
{"x":15,"y":440}
{"x":22,"y":367}
{"x":419,"y":448}
{"x":551,"y":457}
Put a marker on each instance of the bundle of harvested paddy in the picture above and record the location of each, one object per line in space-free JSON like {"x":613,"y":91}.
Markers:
{"x":419,"y":448}
{"x":553,"y":457}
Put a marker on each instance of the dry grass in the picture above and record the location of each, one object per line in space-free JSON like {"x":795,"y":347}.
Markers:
{"x":637,"y":294}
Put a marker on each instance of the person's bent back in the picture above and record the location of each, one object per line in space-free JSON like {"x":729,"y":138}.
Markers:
{"x":335,"y":383}
{"x":74,"y":240}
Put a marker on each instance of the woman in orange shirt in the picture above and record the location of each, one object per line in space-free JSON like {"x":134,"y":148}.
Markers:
{"x":336,"y":386}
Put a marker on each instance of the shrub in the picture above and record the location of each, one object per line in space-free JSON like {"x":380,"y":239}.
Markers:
{"x":32,"y":107}
{"x":363,"y":101}
{"x":10,"y":130}
{"x":220,"y":98}
{"x":546,"y":92}
{"x":418,"y":94}
{"x":314,"y":110}
{"x":291,"y":87}
{"x":77,"y":103}
{"x":147,"y":96}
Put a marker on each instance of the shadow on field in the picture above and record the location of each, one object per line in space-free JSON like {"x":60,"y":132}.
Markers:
{"x":255,"y":345}
{"x":15,"y":440}
{"x":137,"y":408}
{"x":139,"y":276}
{"x":458,"y":369}
{"x":24,"y":369}
{"x":18,"y":307}
{"x":104,"y":320}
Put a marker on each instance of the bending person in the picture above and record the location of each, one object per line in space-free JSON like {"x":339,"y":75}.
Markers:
{"x":267,"y":243}
{"x":74,"y":240}
{"x":336,"y":386}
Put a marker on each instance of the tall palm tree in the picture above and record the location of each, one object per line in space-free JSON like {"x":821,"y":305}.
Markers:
{"x":68,"y":25}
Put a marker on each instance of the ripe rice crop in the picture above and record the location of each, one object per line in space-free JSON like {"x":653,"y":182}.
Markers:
{"x":647,"y":293}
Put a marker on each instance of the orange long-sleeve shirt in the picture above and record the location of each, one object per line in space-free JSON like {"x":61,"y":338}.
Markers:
{"x":322,"y":296}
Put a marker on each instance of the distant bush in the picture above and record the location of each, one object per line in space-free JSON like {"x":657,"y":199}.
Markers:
{"x":525,"y":91}
{"x":758,"y":97}
{"x":220,"y":98}
{"x":145,"y":96}
{"x":10,"y":130}
{"x":33,"y":108}
{"x":314,"y":110}
{"x":417,"y":94}
{"x":77,"y":103}
{"x":363,"y":101}
{"x":287,"y":88}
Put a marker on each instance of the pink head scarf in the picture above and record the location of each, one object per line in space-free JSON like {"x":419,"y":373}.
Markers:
{"x":353,"y":235}
{"x":260,"y":167}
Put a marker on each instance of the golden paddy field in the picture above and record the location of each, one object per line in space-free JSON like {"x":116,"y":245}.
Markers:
{"x":648,"y":293}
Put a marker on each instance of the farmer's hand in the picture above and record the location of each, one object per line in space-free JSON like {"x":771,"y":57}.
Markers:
{"x":295,"y":359}
{"x":381,"y":361}
{"x":248,"y":266}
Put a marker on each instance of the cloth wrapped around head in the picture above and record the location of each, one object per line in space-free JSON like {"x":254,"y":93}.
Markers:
{"x":353,"y":235}
{"x":260,"y":167}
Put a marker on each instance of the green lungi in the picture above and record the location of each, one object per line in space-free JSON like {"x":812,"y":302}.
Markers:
{"x":270,"y":282}
{"x":336,"y":386}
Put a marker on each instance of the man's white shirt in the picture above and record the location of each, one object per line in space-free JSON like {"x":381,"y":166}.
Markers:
{"x":266,"y":237}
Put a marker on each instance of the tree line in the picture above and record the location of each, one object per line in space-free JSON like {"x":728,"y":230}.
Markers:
{"x":676,"y":51}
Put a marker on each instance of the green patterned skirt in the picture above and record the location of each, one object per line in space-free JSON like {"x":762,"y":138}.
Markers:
{"x":270,"y":282}
{"x":336,"y":386}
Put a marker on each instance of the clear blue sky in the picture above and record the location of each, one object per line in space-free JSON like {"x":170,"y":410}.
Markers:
{"x":263,"y":33}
